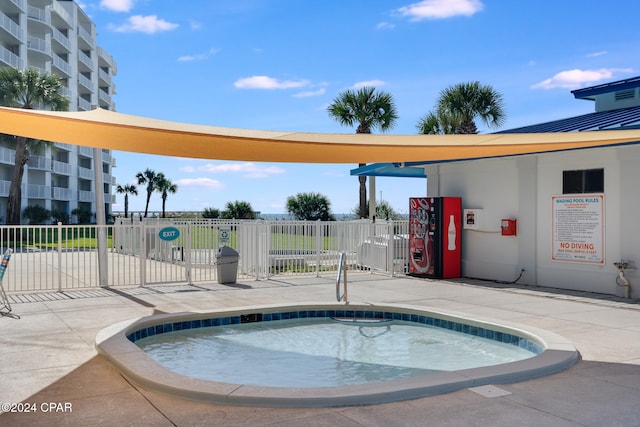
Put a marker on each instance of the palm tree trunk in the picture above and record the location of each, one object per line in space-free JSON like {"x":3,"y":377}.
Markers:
{"x":164,"y":201}
{"x":146,"y":208}
{"x":363,"y":194}
{"x":14,"y":202}
{"x":126,"y":205}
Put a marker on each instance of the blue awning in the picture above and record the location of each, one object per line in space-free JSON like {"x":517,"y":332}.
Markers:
{"x":398,"y":170}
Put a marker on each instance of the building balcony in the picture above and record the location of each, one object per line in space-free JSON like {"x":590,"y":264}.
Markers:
{"x":61,"y":39}
{"x":83,"y":104}
{"x":39,"y":163}
{"x":40,"y":46}
{"x":19,"y":5}
{"x":37,"y":191}
{"x":60,"y":193}
{"x":39,"y":15}
{"x":85,"y":173}
{"x":4,"y":188}
{"x":7,"y":156}
{"x":7,"y":24}
{"x":61,"y":12}
{"x":86,"y":196}
{"x":105,"y":59}
{"x":61,"y":168}
{"x":63,"y":146}
{"x":84,"y":34}
{"x":85,"y":60}
{"x":86,"y":82}
{"x":85,"y":151}
{"x":10,"y":59}
{"x":104,"y":97}
{"x":62,"y":65}
{"x":108,"y":179}
{"x":104,"y":76}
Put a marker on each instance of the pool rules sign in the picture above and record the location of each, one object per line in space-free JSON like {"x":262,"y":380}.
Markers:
{"x":578,"y":228}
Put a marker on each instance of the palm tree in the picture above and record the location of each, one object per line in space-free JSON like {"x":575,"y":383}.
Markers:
{"x":164,"y":186}
{"x":310,"y":207}
{"x":126,"y":190}
{"x":30,"y":90}
{"x":369,"y":110}
{"x":383,"y":210}
{"x":465,"y":102}
{"x":435,"y":123}
{"x":150,"y":178}
{"x":238,"y":210}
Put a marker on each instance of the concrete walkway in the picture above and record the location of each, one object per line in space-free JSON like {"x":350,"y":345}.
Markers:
{"x":48,"y":360}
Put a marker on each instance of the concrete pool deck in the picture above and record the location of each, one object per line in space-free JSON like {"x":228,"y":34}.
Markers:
{"x":49,"y":362}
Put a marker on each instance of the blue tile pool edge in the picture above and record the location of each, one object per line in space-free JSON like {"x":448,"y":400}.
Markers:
{"x":269,"y":316}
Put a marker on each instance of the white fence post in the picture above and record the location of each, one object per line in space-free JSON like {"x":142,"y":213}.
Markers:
{"x":263,"y":240}
{"x":143,"y":254}
{"x":59,"y":231}
{"x":319,"y":246}
{"x":391,"y":248}
{"x":186,"y":248}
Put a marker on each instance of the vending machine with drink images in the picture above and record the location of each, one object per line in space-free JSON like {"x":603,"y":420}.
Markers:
{"x":435,"y":228}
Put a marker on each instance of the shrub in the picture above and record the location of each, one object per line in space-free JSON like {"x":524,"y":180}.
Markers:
{"x":59,"y":216}
{"x":84,"y":215}
{"x":36,"y":215}
{"x":211,"y":213}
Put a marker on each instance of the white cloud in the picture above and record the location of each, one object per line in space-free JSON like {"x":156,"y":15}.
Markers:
{"x":198,"y":57}
{"x":265,"y":82}
{"x":385,"y":26}
{"x":246,"y":169}
{"x":368,"y":83}
{"x":145,"y":24}
{"x":308,"y":94}
{"x":594,"y":54}
{"x":208,"y":183}
{"x":573,"y":79}
{"x":117,"y":5}
{"x":440,"y":9}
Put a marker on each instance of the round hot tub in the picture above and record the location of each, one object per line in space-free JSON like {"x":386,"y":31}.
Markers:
{"x":326,"y":354}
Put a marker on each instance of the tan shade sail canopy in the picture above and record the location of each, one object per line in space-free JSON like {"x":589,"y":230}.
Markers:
{"x":110,"y":130}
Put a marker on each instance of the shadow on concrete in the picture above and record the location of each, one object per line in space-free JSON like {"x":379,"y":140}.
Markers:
{"x":542,"y":289}
{"x":96,"y":394}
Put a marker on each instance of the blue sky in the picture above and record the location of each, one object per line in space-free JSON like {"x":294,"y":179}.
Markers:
{"x":278,"y":64}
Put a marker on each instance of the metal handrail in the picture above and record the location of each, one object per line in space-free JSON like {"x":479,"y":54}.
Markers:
{"x":342,"y":297}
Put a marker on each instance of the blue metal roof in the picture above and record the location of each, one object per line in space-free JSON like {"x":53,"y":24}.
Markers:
{"x":590,"y":92}
{"x":601,"y":120}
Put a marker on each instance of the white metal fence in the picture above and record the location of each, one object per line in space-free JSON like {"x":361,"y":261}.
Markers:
{"x":65,"y":257}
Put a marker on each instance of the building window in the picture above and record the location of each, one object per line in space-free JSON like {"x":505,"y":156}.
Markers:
{"x":583,"y":181}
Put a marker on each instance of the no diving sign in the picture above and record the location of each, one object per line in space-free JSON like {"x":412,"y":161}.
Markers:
{"x":224,"y":234}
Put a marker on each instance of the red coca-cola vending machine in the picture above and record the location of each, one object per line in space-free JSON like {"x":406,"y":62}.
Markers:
{"x":435,"y":226}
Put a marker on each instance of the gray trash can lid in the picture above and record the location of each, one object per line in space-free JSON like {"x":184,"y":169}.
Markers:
{"x":226,"y":251}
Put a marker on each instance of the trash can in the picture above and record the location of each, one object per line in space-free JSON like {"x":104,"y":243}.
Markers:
{"x":227,"y":264}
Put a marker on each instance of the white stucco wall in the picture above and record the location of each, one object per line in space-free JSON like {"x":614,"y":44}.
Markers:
{"x":522,"y":188}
